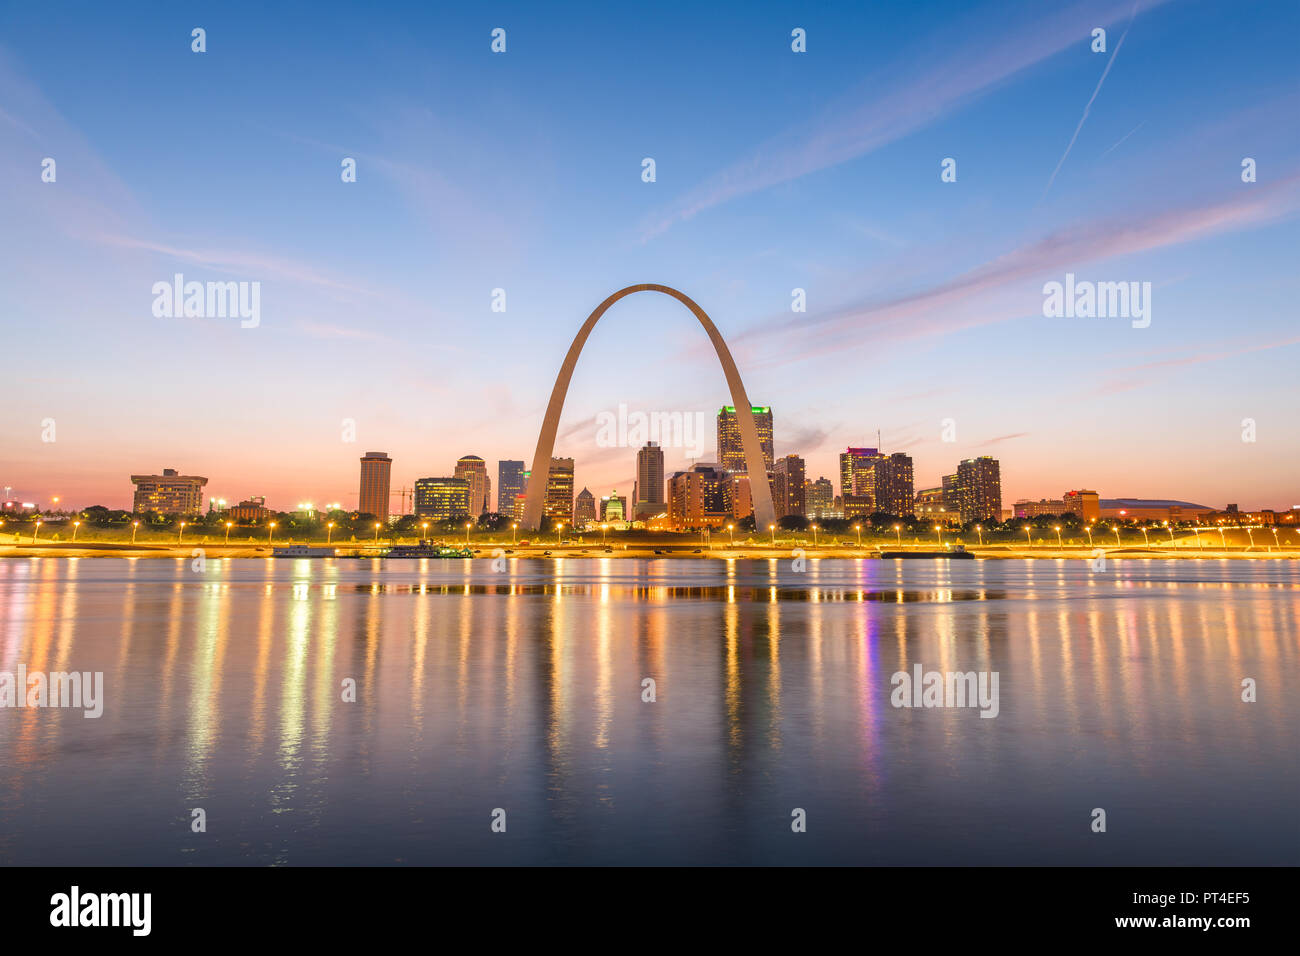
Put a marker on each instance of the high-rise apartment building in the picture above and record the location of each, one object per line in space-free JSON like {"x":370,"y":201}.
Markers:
{"x":442,"y":498}
{"x":376,"y":471}
{"x":787,"y":486}
{"x":979,"y":489}
{"x":511,"y":480}
{"x":731,"y":450}
{"x":169,"y":493}
{"x":473,"y":470}
{"x":559,"y":490}
{"x":649,"y":496}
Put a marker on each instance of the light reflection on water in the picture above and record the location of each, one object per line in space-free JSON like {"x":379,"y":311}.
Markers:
{"x":523,"y":690}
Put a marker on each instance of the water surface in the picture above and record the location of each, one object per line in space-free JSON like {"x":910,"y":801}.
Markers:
{"x":478,"y":690}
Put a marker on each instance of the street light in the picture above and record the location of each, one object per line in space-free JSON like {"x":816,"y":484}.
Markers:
{"x":1089,"y":530}
{"x":1057,"y":528}
{"x":180,"y":535}
{"x":772,"y":530}
{"x":1116,"y":530}
{"x":558,"y":528}
{"x":731,"y":530}
{"x":1275,"y":544}
{"x":939,"y":531}
{"x":514,"y":528}
{"x":979,"y":530}
{"x":77,"y":524}
{"x":1223,"y":542}
{"x":898,"y":534}
{"x":36,"y":529}
{"x":467,"y":527}
{"x":329,"y":532}
{"x":1250,"y":533}
{"x":424,"y":531}
{"x":376,"y":532}
{"x":135,"y":526}
{"x":228,"y":526}
{"x":814,"y":527}
{"x":1028,"y":541}
{"x":1145,"y":538}
{"x":270,"y":530}
{"x":858,"y":529}
{"x":1170,"y":529}
{"x":604,"y":528}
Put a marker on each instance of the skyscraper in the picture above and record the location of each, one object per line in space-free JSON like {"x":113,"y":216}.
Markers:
{"x":473,"y":469}
{"x":584,"y":509}
{"x":169,"y":493}
{"x":697,"y":498}
{"x":857,"y":472}
{"x":559,"y":490}
{"x":731,"y":450}
{"x":442,"y":498}
{"x":897,"y":498}
{"x":510,"y":482}
{"x":376,"y":470}
{"x":649,"y":481}
{"x":979,"y":489}
{"x":787,"y":486}
{"x":819,"y":497}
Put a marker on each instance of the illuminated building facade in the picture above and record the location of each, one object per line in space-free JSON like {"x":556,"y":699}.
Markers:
{"x":731,"y":452}
{"x":169,"y":493}
{"x":559,"y":490}
{"x":376,"y":471}
{"x":442,"y":498}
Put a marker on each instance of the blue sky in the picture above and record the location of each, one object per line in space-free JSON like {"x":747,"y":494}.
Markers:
{"x":775,"y":170}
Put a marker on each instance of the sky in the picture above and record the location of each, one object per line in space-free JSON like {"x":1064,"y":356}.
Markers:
{"x":775,"y":170}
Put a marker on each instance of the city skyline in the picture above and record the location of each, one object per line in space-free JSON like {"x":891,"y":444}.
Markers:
{"x":479,"y":172}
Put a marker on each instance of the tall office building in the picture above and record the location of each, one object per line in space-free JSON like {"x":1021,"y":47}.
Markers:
{"x":169,"y":493}
{"x":979,"y":489}
{"x":697,"y":498}
{"x":787,"y":486}
{"x":442,"y":498}
{"x":896,"y":497}
{"x":649,"y":495}
{"x":584,"y":509}
{"x":376,"y":470}
{"x":731,"y":450}
{"x":473,"y":469}
{"x":858,"y":472}
{"x":511,"y":480}
{"x":951,"y":497}
{"x":819,"y":497}
{"x":559,"y":490}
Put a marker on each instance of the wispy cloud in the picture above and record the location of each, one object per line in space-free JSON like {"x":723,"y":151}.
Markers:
{"x":882,"y":110}
{"x":934,"y":310}
{"x":1088,"y":106}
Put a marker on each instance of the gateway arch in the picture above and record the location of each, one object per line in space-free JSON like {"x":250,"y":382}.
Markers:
{"x":760,"y":491}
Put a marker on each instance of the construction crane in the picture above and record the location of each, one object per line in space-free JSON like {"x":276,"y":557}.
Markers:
{"x":404,"y":493}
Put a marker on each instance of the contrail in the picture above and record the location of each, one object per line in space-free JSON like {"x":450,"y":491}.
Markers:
{"x":1088,"y":108}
